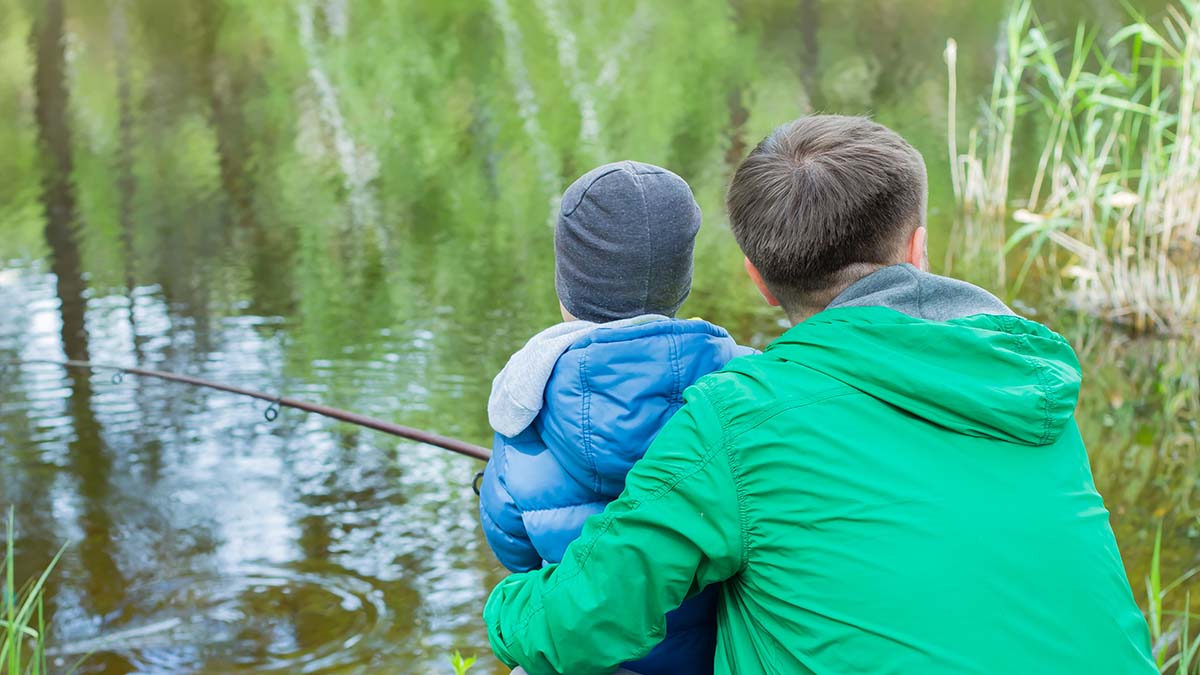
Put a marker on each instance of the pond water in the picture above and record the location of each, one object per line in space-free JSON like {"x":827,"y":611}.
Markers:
{"x":349,"y":202}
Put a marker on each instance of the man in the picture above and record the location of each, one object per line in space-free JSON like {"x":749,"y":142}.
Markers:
{"x":895,"y":485}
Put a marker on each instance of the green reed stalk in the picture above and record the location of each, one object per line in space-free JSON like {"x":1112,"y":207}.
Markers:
{"x":981,"y":177}
{"x":23,"y":636}
{"x":1175,"y":648}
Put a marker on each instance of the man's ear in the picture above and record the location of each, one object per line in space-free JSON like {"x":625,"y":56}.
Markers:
{"x":917,"y":251}
{"x":762,"y":285}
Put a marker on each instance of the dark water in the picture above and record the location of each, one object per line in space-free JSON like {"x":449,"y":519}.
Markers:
{"x":349,"y":202}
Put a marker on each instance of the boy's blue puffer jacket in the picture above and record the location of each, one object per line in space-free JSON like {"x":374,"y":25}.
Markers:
{"x":606,"y":399}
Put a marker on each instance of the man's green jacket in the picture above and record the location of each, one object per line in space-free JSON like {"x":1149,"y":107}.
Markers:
{"x":876,"y":493}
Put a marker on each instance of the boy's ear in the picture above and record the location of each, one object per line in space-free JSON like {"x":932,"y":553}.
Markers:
{"x":758,"y":281}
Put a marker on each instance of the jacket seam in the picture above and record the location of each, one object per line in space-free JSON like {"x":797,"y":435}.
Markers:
{"x":527,"y":549}
{"x":676,"y":369}
{"x":793,"y":403}
{"x":565,"y":506}
{"x":735,"y":472}
{"x":504,"y":530}
{"x":586,"y":422}
{"x":666,"y":324}
{"x":1043,"y":385}
{"x":719,"y":406}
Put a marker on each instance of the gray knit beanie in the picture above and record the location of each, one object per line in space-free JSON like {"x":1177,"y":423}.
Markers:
{"x":623,"y":242}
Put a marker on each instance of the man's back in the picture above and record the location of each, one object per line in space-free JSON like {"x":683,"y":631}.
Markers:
{"x":917,"y":500}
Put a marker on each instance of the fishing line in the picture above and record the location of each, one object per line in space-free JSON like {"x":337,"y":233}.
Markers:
{"x":276,"y":402}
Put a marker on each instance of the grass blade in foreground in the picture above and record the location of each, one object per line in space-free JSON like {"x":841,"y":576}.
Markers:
{"x":18,"y":637}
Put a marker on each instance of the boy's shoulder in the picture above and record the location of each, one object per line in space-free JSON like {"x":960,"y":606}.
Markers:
{"x":639,"y":354}
{"x":612,"y":392}
{"x":682,"y":349}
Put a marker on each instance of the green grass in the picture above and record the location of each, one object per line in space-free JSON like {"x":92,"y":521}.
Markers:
{"x":461,"y":665}
{"x":22,"y":619}
{"x":1173,"y":632}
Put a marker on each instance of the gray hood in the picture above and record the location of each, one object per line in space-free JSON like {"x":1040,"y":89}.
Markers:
{"x":918,"y":294}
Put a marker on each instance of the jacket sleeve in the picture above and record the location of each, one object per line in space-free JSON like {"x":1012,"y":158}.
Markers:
{"x":501,"y":517}
{"x":676,"y":528}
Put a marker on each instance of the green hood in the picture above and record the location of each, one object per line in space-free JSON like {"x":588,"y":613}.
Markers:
{"x":985,"y":375}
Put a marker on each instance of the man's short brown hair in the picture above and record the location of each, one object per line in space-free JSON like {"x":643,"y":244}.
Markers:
{"x":822,"y":197}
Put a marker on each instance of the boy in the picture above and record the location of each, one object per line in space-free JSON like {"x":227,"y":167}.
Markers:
{"x":580,"y":403}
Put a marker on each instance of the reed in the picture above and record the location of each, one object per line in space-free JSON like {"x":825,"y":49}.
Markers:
{"x":22,"y":619}
{"x":1110,"y":221}
{"x":980,"y":176}
{"x":1173,"y":633}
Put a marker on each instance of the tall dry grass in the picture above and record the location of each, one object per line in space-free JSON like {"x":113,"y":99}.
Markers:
{"x":1110,"y":221}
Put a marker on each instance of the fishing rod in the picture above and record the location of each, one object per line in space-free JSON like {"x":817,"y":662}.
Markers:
{"x":276,"y":402}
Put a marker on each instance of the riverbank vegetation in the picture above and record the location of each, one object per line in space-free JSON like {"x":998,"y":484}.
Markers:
{"x":1104,"y":224}
{"x":1172,"y":631}
{"x":22,"y":615}
{"x":1109,"y":219}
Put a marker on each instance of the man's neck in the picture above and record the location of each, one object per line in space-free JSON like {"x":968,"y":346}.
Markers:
{"x":815,"y":303}
{"x":911,"y":291}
